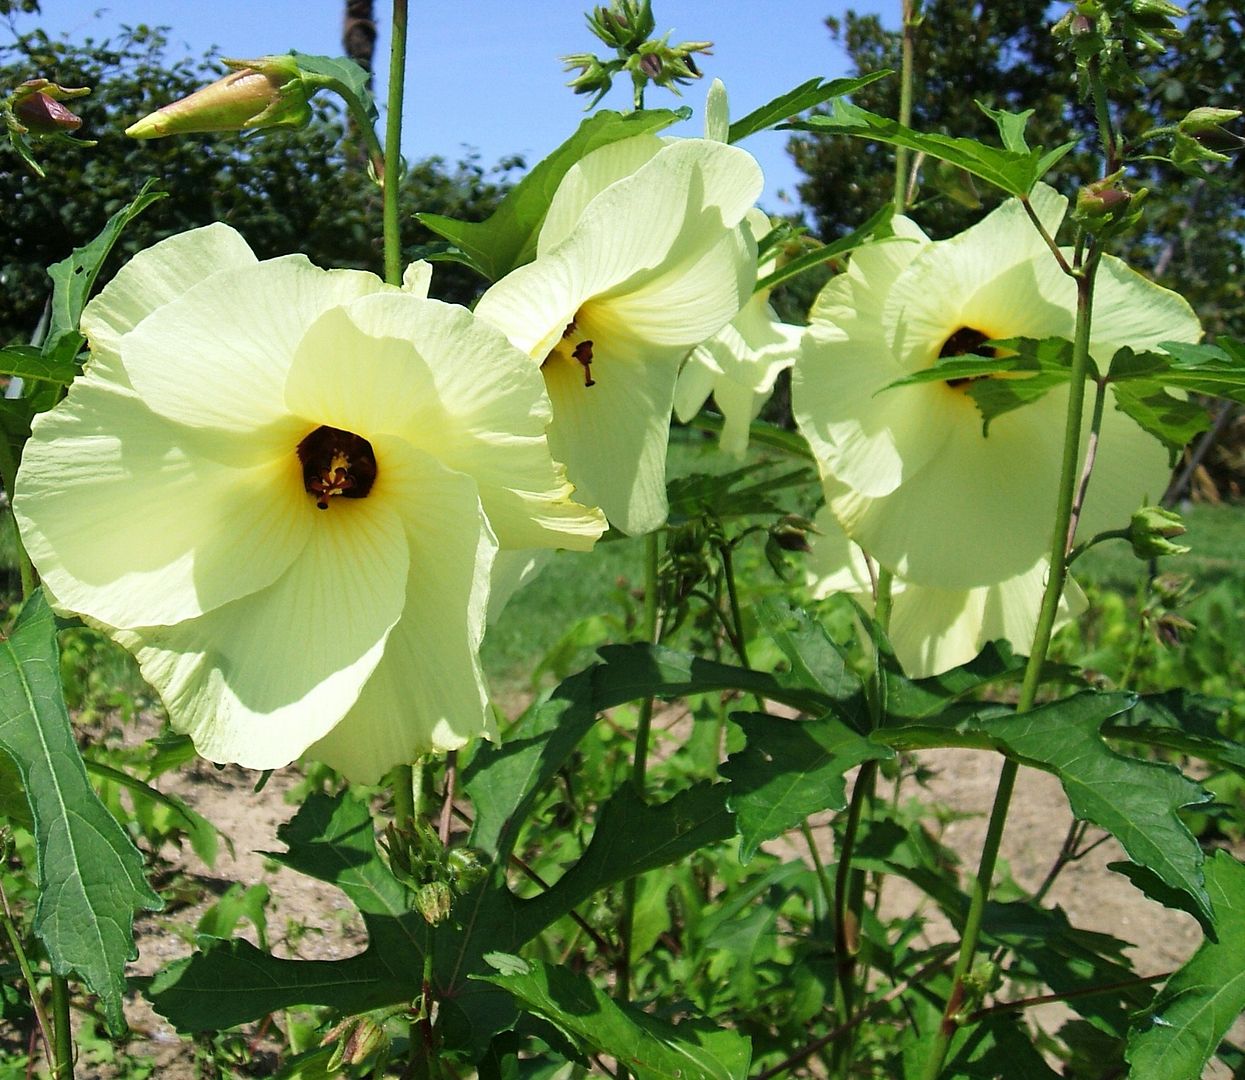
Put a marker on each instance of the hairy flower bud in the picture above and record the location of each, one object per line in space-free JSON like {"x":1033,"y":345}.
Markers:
{"x":624,"y":24}
{"x":357,"y":1038}
{"x":263,"y":93}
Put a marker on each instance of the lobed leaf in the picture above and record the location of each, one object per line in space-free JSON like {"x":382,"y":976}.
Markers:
{"x":90,"y":875}
{"x":789,"y":770}
{"x":649,"y":1047}
{"x":1136,"y":801}
{"x":74,"y":277}
{"x":28,"y":362}
{"x":807,"y":95}
{"x":876,"y":227}
{"x":1012,"y":170}
{"x":1202,"y":1000}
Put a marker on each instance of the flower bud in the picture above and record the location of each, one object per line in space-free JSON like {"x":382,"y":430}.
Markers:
{"x":41,"y":114}
{"x":37,"y":107}
{"x":1101,"y":198}
{"x":1151,"y":531}
{"x":466,"y":868}
{"x":1206,"y":119}
{"x":433,"y":902}
{"x":263,"y":93}
{"x":594,"y":76}
{"x":357,"y":1038}
{"x":624,"y":25}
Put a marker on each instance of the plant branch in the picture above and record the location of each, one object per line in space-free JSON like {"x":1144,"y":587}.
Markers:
{"x":36,"y":1000}
{"x":391,"y":178}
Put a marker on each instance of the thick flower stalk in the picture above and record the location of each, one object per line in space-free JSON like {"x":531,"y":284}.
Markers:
{"x":643,"y":255}
{"x":741,"y":362}
{"x":912,"y":475}
{"x":282,"y":489}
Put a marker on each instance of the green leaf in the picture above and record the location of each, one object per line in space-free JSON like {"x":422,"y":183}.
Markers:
{"x":1136,"y":801}
{"x":1014,"y":171}
{"x":331,"y":840}
{"x":28,"y":362}
{"x":1011,"y":127}
{"x":790,"y":769}
{"x":650,"y":1048}
{"x":807,"y":95}
{"x":507,"y":239}
{"x":90,"y":875}
{"x":1046,"y":947}
{"x":504,"y":779}
{"x":632,"y":672}
{"x":877,"y":226}
{"x":343,"y":76}
{"x":201,"y":832}
{"x":74,"y":277}
{"x":999,"y":1045}
{"x":630,"y":838}
{"x":1039,"y":364}
{"x":815,"y":659}
{"x":726,"y":495}
{"x":1202,"y":1000}
{"x":1173,"y":421}
{"x":1183,"y":721}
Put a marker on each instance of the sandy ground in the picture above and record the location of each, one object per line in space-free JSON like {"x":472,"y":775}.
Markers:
{"x":308,"y":919}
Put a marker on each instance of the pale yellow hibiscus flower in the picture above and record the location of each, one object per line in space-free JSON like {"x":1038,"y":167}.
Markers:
{"x":643,"y":255}
{"x":283,"y":488}
{"x":924,"y":489}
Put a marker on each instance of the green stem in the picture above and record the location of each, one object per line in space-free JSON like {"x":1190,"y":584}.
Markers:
{"x":392,"y":178}
{"x":402,"y":781}
{"x":62,"y":1029}
{"x":848,"y":910}
{"x":732,"y":595}
{"x":32,"y":988}
{"x":639,"y":767}
{"x":907,"y":66}
{"x":1060,"y":546}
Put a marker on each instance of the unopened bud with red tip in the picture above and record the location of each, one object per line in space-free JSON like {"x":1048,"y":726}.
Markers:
{"x":1102,"y":199}
{"x":42,"y":115}
{"x":263,"y":93}
{"x":38,"y":106}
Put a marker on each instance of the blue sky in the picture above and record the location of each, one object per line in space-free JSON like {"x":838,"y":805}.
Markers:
{"x":485,"y":74}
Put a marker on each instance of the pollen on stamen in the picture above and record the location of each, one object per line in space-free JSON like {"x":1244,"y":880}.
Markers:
{"x":336,"y":463}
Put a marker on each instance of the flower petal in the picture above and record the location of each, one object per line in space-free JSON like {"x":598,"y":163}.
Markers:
{"x":258,"y":680}
{"x":151,"y":279}
{"x":218,"y":356}
{"x":135,"y":521}
{"x":586,"y":179}
{"x":984,"y":278}
{"x":981,"y":509}
{"x":613,"y":434}
{"x":452,"y":386}
{"x":427,"y":694}
{"x":1132,"y":310}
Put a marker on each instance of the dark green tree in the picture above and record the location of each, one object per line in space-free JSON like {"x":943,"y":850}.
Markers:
{"x":1005,"y":56}
{"x":285,"y":191}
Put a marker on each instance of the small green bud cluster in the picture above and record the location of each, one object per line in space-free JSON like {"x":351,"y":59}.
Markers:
{"x":1106,"y":209}
{"x":434,"y":873}
{"x":626,"y":26}
{"x":1152,"y":530}
{"x":1110,"y":33}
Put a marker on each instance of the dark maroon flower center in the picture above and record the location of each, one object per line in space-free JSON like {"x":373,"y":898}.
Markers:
{"x":336,"y":462}
{"x":966,"y":342}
